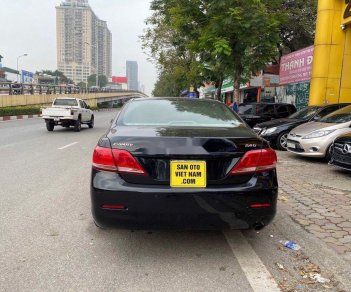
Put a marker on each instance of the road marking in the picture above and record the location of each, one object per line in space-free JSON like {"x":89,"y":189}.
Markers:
{"x":255,"y":271}
{"x":69,"y":145}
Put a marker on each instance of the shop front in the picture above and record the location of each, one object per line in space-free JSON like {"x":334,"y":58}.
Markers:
{"x":295,"y":75}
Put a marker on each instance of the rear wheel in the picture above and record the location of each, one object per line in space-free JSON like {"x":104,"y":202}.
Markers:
{"x":282,"y":141}
{"x":78,"y":125}
{"x":91,"y":123}
{"x":50,"y":126}
{"x":98,"y":226}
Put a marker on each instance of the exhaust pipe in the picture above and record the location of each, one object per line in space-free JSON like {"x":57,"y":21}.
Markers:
{"x":258,"y":226}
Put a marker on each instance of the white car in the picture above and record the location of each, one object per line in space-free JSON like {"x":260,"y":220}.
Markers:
{"x":315,"y":138}
{"x":68,"y":112}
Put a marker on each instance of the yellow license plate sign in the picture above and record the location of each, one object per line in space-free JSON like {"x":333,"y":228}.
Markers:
{"x":188,"y":174}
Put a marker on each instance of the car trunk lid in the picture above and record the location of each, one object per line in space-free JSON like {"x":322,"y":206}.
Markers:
{"x":155,"y":148}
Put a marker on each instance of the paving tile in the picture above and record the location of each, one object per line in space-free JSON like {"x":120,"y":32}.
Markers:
{"x":315,"y":215}
{"x":339,"y":234}
{"x":346,"y":239}
{"x":333,"y":240}
{"x":336,"y":220}
{"x":315,"y":227}
{"x":346,"y":224}
{"x":340,"y":249}
{"x":331,"y":226}
{"x":323,"y":211}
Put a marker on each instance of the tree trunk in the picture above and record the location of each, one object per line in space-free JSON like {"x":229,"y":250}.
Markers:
{"x":219,"y":89}
{"x":237,"y":88}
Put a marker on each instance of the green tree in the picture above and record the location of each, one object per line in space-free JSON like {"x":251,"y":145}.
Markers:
{"x":298,"y":23}
{"x":222,"y":37}
{"x":82,"y":84}
{"x":102,"y":80}
{"x":60,"y":77}
{"x":169,"y":84}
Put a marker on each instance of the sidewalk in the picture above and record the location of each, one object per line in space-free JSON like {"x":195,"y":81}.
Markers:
{"x":324,"y":211}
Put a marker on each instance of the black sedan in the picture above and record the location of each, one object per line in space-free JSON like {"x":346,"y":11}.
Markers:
{"x":340,"y":152}
{"x":276,"y":131}
{"x":253,"y":113}
{"x":183,"y":164}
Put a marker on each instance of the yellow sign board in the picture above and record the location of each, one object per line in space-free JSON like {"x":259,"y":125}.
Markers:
{"x":346,"y":14}
{"x":188,"y":174}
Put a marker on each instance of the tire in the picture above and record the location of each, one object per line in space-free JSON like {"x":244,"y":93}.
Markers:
{"x":98,"y":226}
{"x":327,"y":156}
{"x":91,"y":123}
{"x":282,"y":141}
{"x":50,"y":126}
{"x":78,"y":125}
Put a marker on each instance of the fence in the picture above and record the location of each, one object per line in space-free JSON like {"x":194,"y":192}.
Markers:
{"x":10,"y":88}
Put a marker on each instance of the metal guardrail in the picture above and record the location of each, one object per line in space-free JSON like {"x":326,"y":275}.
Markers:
{"x":10,"y":88}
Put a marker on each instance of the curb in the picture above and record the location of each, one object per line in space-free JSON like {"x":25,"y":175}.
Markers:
{"x":19,"y":117}
{"x":108,"y":109}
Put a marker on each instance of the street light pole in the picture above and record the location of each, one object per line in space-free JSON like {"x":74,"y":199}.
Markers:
{"x":96,"y":62}
{"x":24,"y":55}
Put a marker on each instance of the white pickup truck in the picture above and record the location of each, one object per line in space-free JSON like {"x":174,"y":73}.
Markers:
{"x":68,"y":112}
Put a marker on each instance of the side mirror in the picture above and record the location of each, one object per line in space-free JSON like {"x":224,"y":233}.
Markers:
{"x":88,"y":106}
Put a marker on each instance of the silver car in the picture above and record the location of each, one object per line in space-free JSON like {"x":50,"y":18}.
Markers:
{"x":315,"y":138}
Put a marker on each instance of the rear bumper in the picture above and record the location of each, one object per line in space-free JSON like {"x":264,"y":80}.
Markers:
{"x":160,"y":207}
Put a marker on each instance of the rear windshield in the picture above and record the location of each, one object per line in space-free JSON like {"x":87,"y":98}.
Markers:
{"x":67,"y":102}
{"x":178,"y":112}
{"x":305,"y":113}
{"x":340,"y":116}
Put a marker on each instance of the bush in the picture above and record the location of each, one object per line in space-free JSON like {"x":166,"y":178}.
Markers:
{"x":17,"y":110}
{"x":94,"y":108}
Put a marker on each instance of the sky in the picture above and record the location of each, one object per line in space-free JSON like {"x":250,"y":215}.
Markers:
{"x":29,"y":27}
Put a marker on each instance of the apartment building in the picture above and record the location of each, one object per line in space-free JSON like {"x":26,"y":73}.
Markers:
{"x":84,"y":42}
{"x":132,"y":75}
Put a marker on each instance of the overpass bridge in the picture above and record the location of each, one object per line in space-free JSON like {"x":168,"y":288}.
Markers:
{"x":31,"y":94}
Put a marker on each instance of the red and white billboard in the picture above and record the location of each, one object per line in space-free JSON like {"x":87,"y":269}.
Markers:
{"x":119,"y":79}
{"x":296,"y":67}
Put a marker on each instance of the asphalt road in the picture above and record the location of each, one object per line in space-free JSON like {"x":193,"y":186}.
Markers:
{"x":48,"y":241}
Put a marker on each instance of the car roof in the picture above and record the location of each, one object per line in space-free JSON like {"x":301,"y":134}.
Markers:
{"x":333,"y":104}
{"x":177,"y":98}
{"x":266,"y":103}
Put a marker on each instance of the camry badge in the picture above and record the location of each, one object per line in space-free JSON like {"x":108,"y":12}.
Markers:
{"x":123,"y":144}
{"x":346,"y":149}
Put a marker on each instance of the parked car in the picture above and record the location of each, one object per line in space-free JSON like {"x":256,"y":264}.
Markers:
{"x":68,"y":112}
{"x":340,"y":152}
{"x":182,"y":163}
{"x":276,"y":131}
{"x":315,"y":138}
{"x":254,"y":113}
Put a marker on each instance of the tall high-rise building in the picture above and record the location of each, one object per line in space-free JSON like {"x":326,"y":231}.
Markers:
{"x":84,"y":42}
{"x":132,"y":75}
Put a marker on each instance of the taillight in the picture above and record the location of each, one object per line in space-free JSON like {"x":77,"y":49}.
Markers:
{"x":103,"y":159}
{"x":125,"y":162}
{"x":256,"y":161}
{"x":116,"y":160}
